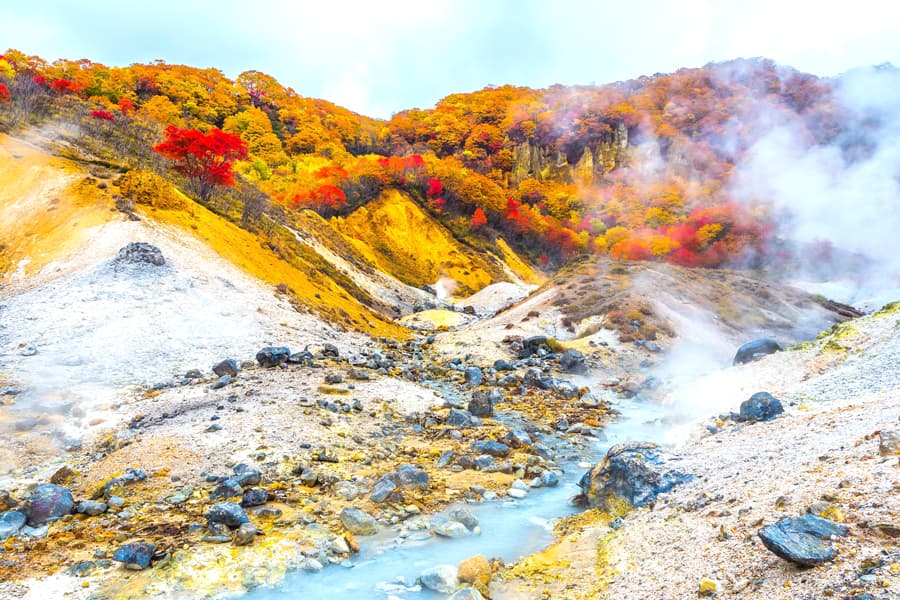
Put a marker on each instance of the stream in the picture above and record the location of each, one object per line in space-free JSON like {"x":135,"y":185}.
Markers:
{"x":387,"y":568}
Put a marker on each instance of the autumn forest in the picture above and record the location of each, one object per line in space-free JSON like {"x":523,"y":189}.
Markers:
{"x":640,"y":169}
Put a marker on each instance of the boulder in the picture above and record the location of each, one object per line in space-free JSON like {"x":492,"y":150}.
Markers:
{"x":459,"y":418}
{"x":229,"y":488}
{"x":482,"y":402}
{"x":383,"y":488}
{"x":272,"y":356}
{"x":135,"y":556}
{"x":246,"y":475}
{"x":755,"y":350}
{"x":358,"y":522}
{"x":48,"y":502}
{"x":411,"y":476}
{"x":537,"y":344}
{"x":761,"y":406}
{"x":254,"y":497}
{"x":474,"y":376}
{"x":475,"y":570}
{"x":634,"y":472}
{"x":493,"y":448}
{"x":803,"y":540}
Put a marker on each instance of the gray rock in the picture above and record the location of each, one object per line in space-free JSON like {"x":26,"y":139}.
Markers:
{"x":358,"y":522}
{"x":48,"y":502}
{"x":516,"y":438}
{"x":484,"y":462}
{"x":28,"y":350}
{"x":465,"y":516}
{"x":467,"y":594}
{"x":503,"y":365}
{"x":129,"y":477}
{"x":246,"y":475}
{"x":474,"y":376}
{"x":91,"y":508}
{"x":572,"y":361}
{"x":761,"y":406}
{"x":411,"y":476}
{"x":889,"y":442}
{"x":346,"y":490}
{"x":635,"y":472}
{"x":140,"y":253}
{"x":227,"y":513}
{"x":229,"y":488}
{"x":272,"y":356}
{"x":245,"y":534}
{"x":135,"y":556}
{"x":221,"y":382}
{"x":311,"y":565}
{"x":441,"y":579}
{"x":537,"y":344}
{"x":496,"y":449}
{"x":10,"y":523}
{"x":228,"y":366}
{"x":450,"y":529}
{"x":803,"y":540}
{"x":383,"y":488}
{"x":549,"y":479}
{"x":459,"y":418}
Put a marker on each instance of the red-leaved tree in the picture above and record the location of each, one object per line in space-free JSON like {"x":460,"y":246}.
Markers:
{"x":4,"y":94}
{"x":206,"y":159}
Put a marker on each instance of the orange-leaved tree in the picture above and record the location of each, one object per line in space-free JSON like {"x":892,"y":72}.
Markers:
{"x":205,"y":159}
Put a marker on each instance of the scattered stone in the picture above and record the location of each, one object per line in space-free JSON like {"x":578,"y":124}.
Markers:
{"x":450,"y":529}
{"x":246,"y":475}
{"x":91,"y":508}
{"x":129,"y":477}
{"x":889,"y":442}
{"x":194,"y":374}
{"x":245,"y":534}
{"x":272,"y":356}
{"x":358,"y":522}
{"x":483,"y":462}
{"x":802,"y":540}
{"x":467,"y":594}
{"x":709,"y":587}
{"x":549,"y":479}
{"x":10,"y":523}
{"x":311,"y":565}
{"x":465,"y":516}
{"x":135,"y":556}
{"x":517,"y":438}
{"x":63,"y":475}
{"x":482,"y":402}
{"x":752,"y":351}
{"x":537,"y":344}
{"x":346,"y":490}
{"x":115,"y":501}
{"x":140,"y":253}
{"x":516,"y":493}
{"x":221,"y":382}
{"x":334,"y":378}
{"x":459,"y":418}
{"x":229,"y":488}
{"x":503,"y":365}
{"x":888,"y":529}
{"x":441,"y":578}
{"x":494,"y":448}
{"x":635,"y":472}
{"x":475,"y":570}
{"x":28,"y":350}
{"x":572,"y":361}
{"x":762,"y":406}
{"x":228,"y":366}
{"x":383,"y":488}
{"x":254,"y":497}
{"x":181,"y":496}
{"x":227,"y":513}
{"x":6,"y":501}
{"x":48,"y":502}
{"x":412,"y":476}
{"x":474,"y":376}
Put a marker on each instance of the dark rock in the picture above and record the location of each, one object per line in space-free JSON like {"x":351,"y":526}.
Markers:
{"x":272,"y":356}
{"x":10,"y":523}
{"x":474,"y":376}
{"x":91,"y":508}
{"x":227,"y":513}
{"x":358,"y":522}
{"x":459,"y":418}
{"x":635,"y":472}
{"x":411,"y":476}
{"x":803,"y":540}
{"x":304,"y":357}
{"x":534,"y":345}
{"x":503,"y":365}
{"x":496,"y":449}
{"x":762,"y":406}
{"x":572,"y":361}
{"x":508,"y":380}
{"x":129,"y":477}
{"x":254,"y":497}
{"x":334,"y":378}
{"x":562,"y":388}
{"x":468,"y":310}
{"x":140,"y":253}
{"x":535,"y":379}
{"x":48,"y":502}
{"x":755,"y":350}
{"x":221,"y":382}
{"x":228,"y":366}
{"x":6,"y":501}
{"x":330,"y":350}
{"x":445,"y":458}
{"x":193,"y":374}
{"x":484,"y":462}
{"x":516,"y":438}
{"x":135,"y":556}
{"x":246,"y":475}
{"x":383,"y":488}
{"x":465,"y":516}
{"x":229,"y":488}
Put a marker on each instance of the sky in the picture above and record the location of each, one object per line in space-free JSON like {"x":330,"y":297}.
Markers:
{"x":380,"y":57}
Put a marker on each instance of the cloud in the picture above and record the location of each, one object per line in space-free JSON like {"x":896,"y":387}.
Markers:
{"x":409,"y":53}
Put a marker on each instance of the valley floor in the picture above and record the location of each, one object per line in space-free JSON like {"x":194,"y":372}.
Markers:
{"x":839,"y":394}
